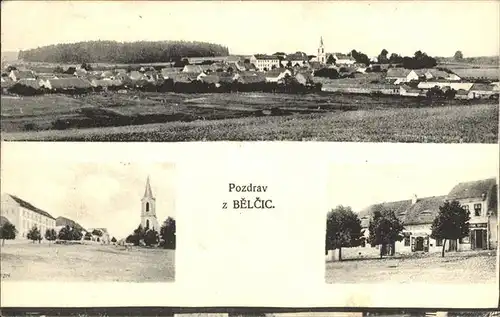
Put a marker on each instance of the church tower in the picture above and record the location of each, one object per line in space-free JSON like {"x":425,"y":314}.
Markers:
{"x":148,"y":209}
{"x":321,"y":52}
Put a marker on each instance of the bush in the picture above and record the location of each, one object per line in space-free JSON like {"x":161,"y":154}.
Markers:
{"x":330,"y":73}
{"x":29,"y":127}
{"x":34,"y":234}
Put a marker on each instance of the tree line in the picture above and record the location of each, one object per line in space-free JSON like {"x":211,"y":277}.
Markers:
{"x":344,"y":229}
{"x":417,"y":61}
{"x":166,"y":238}
{"x":8,"y":231}
{"x":122,"y":52}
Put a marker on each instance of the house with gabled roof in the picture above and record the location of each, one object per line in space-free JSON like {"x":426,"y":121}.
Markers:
{"x":136,"y":75}
{"x":24,"y":216}
{"x":105,"y":84}
{"x":343,"y":59}
{"x":99,"y":235}
{"x":16,"y":75}
{"x":417,"y":214}
{"x":304,"y":77}
{"x":251,"y":77}
{"x":298,"y":58}
{"x":405,"y":90}
{"x":277,"y":75}
{"x":67,"y":84}
{"x":481,"y":91}
{"x":442,"y":84}
{"x":480,"y":199}
{"x":401,"y":75}
{"x":192,"y":69}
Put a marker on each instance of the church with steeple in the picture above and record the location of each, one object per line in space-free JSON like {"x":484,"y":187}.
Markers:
{"x":321,"y":52}
{"x":148,"y":209}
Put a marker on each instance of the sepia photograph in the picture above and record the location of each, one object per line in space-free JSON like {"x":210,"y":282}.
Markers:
{"x":381,"y":71}
{"x":86,"y":222}
{"x":415,"y":222}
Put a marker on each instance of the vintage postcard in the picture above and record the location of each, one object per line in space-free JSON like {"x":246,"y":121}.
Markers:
{"x":415,"y":221}
{"x":323,"y":71}
{"x":69,"y":221}
{"x":386,"y":195}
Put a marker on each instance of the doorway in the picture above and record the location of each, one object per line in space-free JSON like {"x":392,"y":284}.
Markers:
{"x":419,"y":244}
{"x":478,"y":239}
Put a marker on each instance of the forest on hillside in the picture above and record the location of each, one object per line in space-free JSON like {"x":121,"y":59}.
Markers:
{"x":124,"y":53}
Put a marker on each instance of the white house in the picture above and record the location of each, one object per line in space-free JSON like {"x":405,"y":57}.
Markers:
{"x":16,"y":75}
{"x":263,"y":61}
{"x":481,"y":91}
{"x":343,"y":59}
{"x":480,"y":199}
{"x":417,"y":215}
{"x":276,"y":75}
{"x":401,"y":75}
{"x":441,"y":84}
{"x":100,"y":235}
{"x":295,"y":59}
{"x":24,"y":216}
{"x":405,"y":90}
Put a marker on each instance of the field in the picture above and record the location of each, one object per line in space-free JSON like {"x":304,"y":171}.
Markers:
{"x":85,"y":263}
{"x":454,"y":268}
{"x":142,"y":116}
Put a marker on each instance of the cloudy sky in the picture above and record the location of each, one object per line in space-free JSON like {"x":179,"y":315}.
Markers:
{"x":438,"y":28}
{"x":360,"y":185}
{"x":95,"y":195}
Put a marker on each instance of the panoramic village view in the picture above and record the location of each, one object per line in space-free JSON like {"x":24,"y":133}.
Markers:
{"x":42,"y":245}
{"x":448,"y":235}
{"x":196,"y":90}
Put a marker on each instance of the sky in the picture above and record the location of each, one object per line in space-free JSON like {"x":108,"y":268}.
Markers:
{"x":438,"y":28}
{"x":106,"y":195}
{"x":361,"y":185}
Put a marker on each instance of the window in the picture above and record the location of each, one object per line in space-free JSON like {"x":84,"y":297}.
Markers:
{"x":147,"y":207}
{"x":477,"y":209}
{"x":465,"y":207}
{"x":439,"y":242}
{"x":407,"y":241}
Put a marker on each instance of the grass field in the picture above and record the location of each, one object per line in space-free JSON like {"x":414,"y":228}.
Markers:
{"x":457,"y":124}
{"x":141,"y":116}
{"x":454,"y":268}
{"x":85,"y":263}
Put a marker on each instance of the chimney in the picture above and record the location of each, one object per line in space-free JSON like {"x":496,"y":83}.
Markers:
{"x":483,"y":196}
{"x":414,"y":199}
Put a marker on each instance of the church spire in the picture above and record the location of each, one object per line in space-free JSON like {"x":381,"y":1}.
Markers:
{"x":321,"y":41}
{"x":148,"y":192}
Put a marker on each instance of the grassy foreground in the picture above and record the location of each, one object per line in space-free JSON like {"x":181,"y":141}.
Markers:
{"x":446,"y":124}
{"x":85,"y":263}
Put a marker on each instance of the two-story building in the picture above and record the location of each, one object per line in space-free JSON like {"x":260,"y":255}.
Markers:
{"x":417,"y":214}
{"x":24,"y":216}
{"x":265,"y":62}
{"x":480,"y":199}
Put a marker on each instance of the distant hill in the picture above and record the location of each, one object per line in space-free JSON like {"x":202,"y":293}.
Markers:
{"x":63,"y":221}
{"x":125,"y":53}
{"x":9,"y":56}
